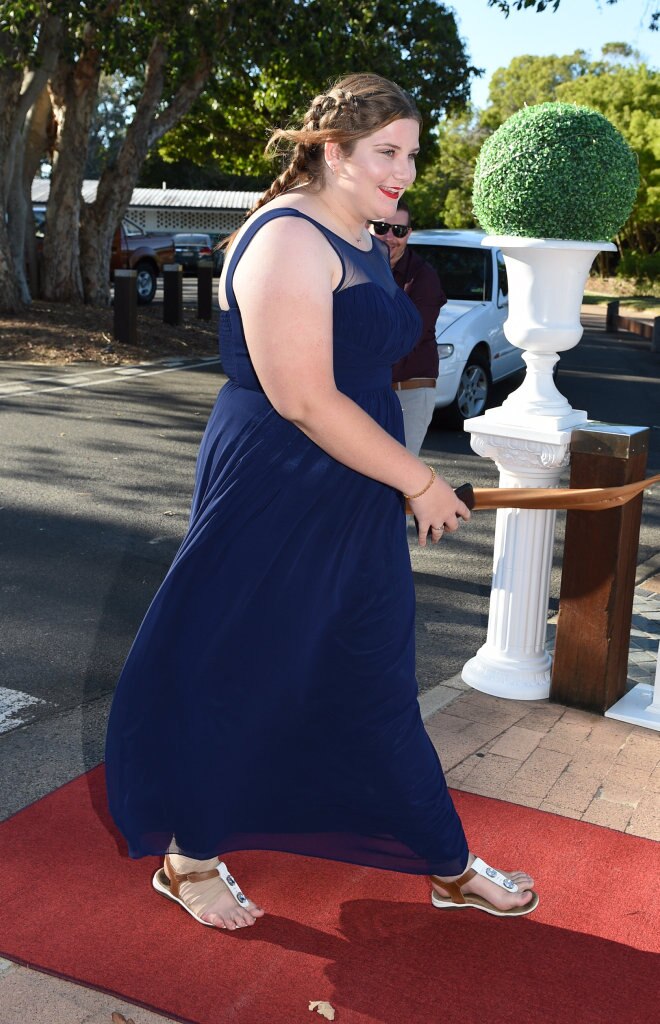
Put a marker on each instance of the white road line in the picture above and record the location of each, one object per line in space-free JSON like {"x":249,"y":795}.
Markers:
{"x":12,"y":702}
{"x":129,"y":373}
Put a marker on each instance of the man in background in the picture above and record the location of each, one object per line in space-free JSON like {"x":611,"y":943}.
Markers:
{"x":414,"y":376}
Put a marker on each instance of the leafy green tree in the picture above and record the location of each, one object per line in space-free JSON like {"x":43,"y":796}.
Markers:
{"x":528,"y":80}
{"x":442,"y":194}
{"x":630,"y":98}
{"x":114,"y":110}
{"x":298,"y":49}
{"x":266,"y":56}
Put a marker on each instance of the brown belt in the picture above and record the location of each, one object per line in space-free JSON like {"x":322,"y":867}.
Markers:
{"x":418,"y":382}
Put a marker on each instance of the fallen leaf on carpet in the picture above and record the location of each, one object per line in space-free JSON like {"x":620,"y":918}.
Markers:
{"x":324,"y":1009}
{"x":118,"y":1018}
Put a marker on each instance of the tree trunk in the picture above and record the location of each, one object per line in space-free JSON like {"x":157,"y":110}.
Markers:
{"x":117,"y":182}
{"x":37,"y":133}
{"x":73,"y":91}
{"x":19,"y":89}
{"x":10,"y":89}
{"x":30,"y":147}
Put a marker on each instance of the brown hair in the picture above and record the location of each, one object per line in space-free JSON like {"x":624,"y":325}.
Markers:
{"x":354,"y":107}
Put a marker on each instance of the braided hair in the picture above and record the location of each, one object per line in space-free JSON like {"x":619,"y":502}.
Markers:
{"x":354,"y":107}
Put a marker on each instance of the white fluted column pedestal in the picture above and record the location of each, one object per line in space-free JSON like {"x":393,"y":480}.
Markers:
{"x":514,"y":661}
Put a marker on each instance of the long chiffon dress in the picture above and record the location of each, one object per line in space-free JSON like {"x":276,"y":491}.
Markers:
{"x":269,"y":700}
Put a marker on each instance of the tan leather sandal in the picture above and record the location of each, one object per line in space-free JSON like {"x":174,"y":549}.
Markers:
{"x":455,"y":899}
{"x":168,"y":883}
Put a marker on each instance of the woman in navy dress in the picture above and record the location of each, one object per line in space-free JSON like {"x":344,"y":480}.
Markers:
{"x":269,"y":700}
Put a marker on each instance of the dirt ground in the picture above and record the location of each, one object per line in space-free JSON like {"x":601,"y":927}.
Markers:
{"x":49,"y":332}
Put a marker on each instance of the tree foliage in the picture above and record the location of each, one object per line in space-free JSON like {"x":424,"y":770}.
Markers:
{"x":159,"y":57}
{"x":527,"y":81}
{"x":299,"y":48}
{"x":443,"y":192}
{"x":618,"y":85}
{"x":506,"y":6}
{"x":630,"y":98}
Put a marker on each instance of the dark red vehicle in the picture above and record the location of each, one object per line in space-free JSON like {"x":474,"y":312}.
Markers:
{"x":144,"y":251}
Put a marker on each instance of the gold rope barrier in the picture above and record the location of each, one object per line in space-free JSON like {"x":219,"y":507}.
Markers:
{"x":588,"y":499}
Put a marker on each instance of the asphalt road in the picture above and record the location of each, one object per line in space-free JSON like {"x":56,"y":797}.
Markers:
{"x":97,"y":472}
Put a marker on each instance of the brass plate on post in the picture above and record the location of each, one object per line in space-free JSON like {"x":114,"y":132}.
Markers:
{"x":612,"y":439}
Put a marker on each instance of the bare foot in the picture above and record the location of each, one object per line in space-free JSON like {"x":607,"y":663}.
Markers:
{"x":213,"y":902}
{"x":494,"y":894}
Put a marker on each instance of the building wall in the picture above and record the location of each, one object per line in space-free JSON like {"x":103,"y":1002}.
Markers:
{"x":212,"y":222}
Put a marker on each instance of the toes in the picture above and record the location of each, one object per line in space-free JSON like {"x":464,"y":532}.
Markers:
{"x":214,"y":919}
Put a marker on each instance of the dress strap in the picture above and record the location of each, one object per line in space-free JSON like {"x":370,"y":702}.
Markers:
{"x":258,"y":222}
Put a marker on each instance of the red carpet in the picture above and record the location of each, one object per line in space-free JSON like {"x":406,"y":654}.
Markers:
{"x":367,"y":941}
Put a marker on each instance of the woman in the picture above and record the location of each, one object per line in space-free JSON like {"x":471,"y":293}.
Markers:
{"x":269,"y":700}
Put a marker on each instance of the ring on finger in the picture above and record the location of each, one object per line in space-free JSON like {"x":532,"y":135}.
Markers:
{"x":438,"y":529}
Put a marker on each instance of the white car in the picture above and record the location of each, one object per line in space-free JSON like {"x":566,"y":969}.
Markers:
{"x":471,"y":343}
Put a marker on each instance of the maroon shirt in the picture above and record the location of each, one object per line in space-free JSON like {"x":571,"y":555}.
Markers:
{"x":422,"y":285}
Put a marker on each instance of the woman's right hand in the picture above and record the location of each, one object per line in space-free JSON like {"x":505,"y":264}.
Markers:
{"x":436,"y":510}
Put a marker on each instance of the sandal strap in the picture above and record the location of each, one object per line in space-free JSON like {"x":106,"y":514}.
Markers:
{"x":232,"y":884}
{"x":481,"y":868}
{"x":453,"y":889}
{"x":203,"y":876}
{"x":478,"y":867}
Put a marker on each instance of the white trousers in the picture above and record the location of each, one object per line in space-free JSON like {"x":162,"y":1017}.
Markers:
{"x":417,"y":405}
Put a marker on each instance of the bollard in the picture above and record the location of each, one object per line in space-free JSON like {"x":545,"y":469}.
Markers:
{"x":205,"y":289}
{"x":173,"y":293}
{"x":612,"y":316}
{"x":655,"y":337}
{"x":125,"y":307}
{"x":590,"y":667}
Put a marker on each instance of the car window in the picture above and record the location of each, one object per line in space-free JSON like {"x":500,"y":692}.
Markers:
{"x":465,"y":273}
{"x":131,"y":228}
{"x":502,"y":279}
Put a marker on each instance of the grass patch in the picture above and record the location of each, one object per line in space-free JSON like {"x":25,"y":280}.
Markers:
{"x":644,"y":304}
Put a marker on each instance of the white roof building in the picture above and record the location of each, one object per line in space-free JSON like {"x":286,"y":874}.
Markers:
{"x":173,"y":209}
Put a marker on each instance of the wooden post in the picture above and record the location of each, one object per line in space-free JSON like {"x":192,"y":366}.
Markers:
{"x":125,"y":307}
{"x":655,"y":337}
{"x":173,"y":294}
{"x":205,"y":289}
{"x":612,"y":316}
{"x":590,"y":667}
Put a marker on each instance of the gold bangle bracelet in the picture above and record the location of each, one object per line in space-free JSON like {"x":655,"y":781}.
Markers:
{"x":411,"y":497}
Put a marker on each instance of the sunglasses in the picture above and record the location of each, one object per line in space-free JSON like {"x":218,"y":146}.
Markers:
{"x":381,"y":227}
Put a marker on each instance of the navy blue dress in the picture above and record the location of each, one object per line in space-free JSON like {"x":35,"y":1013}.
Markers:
{"x":269,"y":700}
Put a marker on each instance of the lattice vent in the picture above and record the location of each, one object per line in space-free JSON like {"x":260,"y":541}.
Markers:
{"x":211,"y":221}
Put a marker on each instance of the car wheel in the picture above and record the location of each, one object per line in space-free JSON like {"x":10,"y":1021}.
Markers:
{"x":146,"y":282}
{"x":473,"y":390}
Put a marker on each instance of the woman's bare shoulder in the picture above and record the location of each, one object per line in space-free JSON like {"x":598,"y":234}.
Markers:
{"x":287,"y":246}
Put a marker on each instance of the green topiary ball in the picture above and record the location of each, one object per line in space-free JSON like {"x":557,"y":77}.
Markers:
{"x":555,"y":170}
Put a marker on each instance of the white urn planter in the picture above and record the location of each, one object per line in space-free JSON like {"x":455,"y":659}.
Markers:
{"x":528,"y":437}
{"x":551,"y":176}
{"x":547,"y":277}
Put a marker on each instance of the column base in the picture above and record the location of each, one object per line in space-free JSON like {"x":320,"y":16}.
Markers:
{"x":637,"y":708}
{"x":517,"y":679}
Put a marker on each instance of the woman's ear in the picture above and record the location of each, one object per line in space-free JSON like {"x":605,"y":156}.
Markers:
{"x":333,"y":155}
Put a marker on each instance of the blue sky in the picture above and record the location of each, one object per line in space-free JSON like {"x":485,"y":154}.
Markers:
{"x":493,"y":40}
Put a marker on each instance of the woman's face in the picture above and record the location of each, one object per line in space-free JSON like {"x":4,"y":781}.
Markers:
{"x":378,"y":170}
